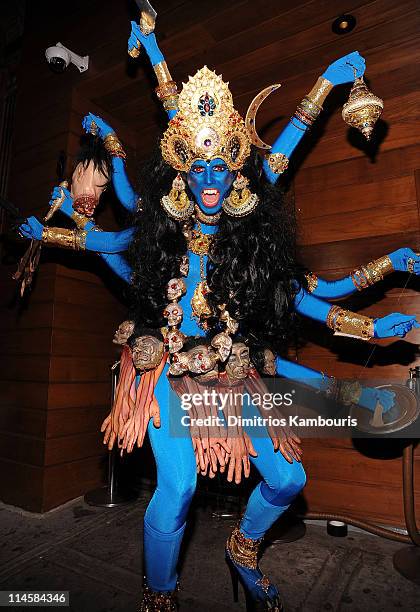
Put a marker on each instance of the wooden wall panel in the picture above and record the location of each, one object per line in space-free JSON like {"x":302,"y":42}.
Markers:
{"x":353,"y":202}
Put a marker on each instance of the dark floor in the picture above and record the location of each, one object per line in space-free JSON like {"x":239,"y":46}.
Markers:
{"x":95,"y":554}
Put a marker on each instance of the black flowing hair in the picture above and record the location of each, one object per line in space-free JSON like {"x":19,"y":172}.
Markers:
{"x":156,"y":250}
{"x":252,"y":266}
{"x":92,"y":149}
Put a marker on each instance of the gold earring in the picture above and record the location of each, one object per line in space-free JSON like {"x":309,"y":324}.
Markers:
{"x":240,"y":202}
{"x":176,"y":204}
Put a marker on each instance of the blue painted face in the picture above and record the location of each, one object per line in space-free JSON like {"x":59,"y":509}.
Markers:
{"x":209,"y":183}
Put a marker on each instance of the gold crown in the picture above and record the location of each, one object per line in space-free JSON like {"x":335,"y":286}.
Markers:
{"x":206,"y":125}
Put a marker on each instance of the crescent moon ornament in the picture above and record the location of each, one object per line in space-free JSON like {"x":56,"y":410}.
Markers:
{"x":252,"y":112}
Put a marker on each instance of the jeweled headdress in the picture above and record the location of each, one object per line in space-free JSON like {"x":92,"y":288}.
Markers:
{"x":206,"y":125}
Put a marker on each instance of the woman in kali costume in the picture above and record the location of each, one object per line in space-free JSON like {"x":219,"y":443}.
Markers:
{"x":213,"y":256}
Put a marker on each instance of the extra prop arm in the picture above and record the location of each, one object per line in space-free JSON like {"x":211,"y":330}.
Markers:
{"x":77,"y":239}
{"x":353,"y":325}
{"x":343,"y":391}
{"x":402,"y":260}
{"x":93,"y":124}
{"x":339,"y":72}
{"x":167,"y":90}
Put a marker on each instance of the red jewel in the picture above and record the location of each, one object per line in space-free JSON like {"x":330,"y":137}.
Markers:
{"x":173,"y":286}
{"x":203,"y":367}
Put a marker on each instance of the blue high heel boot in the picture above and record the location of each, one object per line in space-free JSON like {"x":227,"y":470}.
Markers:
{"x":241,"y":557}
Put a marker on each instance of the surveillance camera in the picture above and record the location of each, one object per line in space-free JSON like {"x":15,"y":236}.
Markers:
{"x":59,"y":57}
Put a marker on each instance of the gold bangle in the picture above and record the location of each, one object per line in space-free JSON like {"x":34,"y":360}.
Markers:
{"x":379,"y":268}
{"x":170,"y":103}
{"x":80,"y":240}
{"x":166,"y":90}
{"x":80,"y":220}
{"x":277,"y":162}
{"x":320,"y":91}
{"x":355,"y":325}
{"x":162,"y":73}
{"x":332,"y":314}
{"x":114,"y":146}
{"x":58,"y":236}
{"x":360,"y":279}
{"x":312,"y":280}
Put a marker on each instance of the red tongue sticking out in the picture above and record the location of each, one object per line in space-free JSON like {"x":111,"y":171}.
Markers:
{"x":210,"y":199}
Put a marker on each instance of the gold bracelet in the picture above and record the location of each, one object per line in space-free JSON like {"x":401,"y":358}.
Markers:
{"x":58,"y":236}
{"x":312,"y":280}
{"x":377,"y":269}
{"x":278,"y":162}
{"x":80,"y":240}
{"x":166,"y":90}
{"x":80,"y":220}
{"x":352,"y":324}
{"x":320,"y":91}
{"x":170,"y":103}
{"x":114,"y":146}
{"x":332,"y":314}
{"x":359,"y":278}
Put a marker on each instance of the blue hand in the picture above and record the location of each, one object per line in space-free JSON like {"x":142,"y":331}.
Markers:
{"x":32,"y":229}
{"x":341,"y":71}
{"x":395,"y":324}
{"x":148,"y":42}
{"x":67,"y":205}
{"x":400,"y":259}
{"x":370,"y":396}
{"x":103,"y":128}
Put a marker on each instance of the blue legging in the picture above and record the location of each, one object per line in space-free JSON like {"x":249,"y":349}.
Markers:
{"x":164,"y":520}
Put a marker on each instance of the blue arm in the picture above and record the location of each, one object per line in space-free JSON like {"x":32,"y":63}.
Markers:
{"x":119,"y":265}
{"x":336,"y":289}
{"x":123,"y":189}
{"x":149,"y":43}
{"x":312,"y":378}
{"x":339,"y":72}
{"x":389,"y":326}
{"x":109,"y":242}
{"x":312,"y":307}
{"x":122,"y":186}
{"x":401,"y":260}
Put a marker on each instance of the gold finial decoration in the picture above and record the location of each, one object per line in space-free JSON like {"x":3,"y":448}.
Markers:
{"x":363,"y":108}
{"x":206,"y":125}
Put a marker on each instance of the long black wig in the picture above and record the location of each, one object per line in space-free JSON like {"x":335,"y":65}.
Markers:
{"x":252,"y":266}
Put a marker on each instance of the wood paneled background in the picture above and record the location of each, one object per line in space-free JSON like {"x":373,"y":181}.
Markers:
{"x":354,"y":202}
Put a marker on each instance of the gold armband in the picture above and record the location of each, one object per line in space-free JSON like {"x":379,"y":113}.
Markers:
{"x":373,"y":272}
{"x":65,"y":238}
{"x":320,"y":91}
{"x":347,"y":323}
{"x":278,"y":162}
{"x":166,"y":91}
{"x":114,"y":146}
{"x":310,"y":107}
{"x":349,"y":392}
{"x":312,"y":280}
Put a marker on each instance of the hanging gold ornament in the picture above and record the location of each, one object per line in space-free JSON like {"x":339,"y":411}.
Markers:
{"x":363,"y":108}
